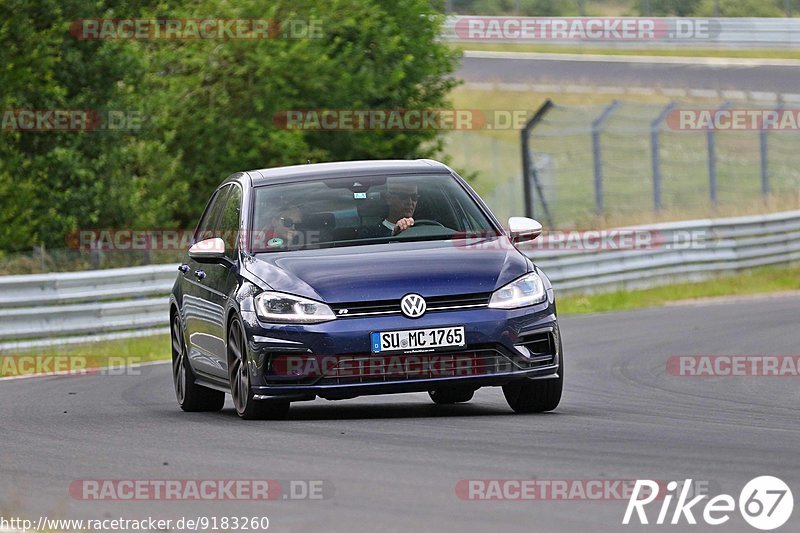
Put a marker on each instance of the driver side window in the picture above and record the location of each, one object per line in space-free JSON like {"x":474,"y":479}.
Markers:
{"x":209,"y":224}
{"x":229,"y":225}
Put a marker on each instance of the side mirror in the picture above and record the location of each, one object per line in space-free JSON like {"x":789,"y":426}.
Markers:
{"x":523,"y":229}
{"x":208,"y":251}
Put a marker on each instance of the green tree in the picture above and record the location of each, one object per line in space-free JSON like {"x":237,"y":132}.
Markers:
{"x":207,"y":106}
{"x":54,"y":182}
{"x":218,"y":99}
{"x":741,"y":8}
{"x":667,"y":8}
{"x":528,"y":8}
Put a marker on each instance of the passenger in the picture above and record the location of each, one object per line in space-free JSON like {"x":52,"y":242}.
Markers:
{"x":282,"y":230}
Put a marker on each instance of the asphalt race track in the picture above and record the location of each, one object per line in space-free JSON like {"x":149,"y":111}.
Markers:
{"x":696,"y":75}
{"x":393,"y":462}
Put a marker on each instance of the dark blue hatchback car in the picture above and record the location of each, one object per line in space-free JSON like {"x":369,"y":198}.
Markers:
{"x":339,"y":280}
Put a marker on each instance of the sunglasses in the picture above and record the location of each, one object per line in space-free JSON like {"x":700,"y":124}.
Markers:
{"x":288,"y":222}
{"x":406,"y":195}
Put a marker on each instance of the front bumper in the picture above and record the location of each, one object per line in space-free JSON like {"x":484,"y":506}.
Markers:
{"x":503,"y":337}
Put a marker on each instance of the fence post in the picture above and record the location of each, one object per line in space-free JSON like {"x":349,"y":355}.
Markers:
{"x":655,"y":148}
{"x":597,"y":129}
{"x":495,"y":151}
{"x":465,"y":142}
{"x":712,"y":156}
{"x":762,"y":141}
{"x":527,"y":163}
{"x":762,"y":138}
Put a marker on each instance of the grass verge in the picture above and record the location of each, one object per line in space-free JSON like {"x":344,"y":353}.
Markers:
{"x":758,"y":281}
{"x":80,"y":357}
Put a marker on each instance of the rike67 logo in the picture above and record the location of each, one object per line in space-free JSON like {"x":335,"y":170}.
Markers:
{"x":765,"y":503}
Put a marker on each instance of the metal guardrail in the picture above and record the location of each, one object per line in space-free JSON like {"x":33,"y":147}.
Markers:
{"x":40,"y":308}
{"x":31,"y":322}
{"x":682,"y":251}
{"x":43,"y":309}
{"x":721,"y":32}
{"x":88,"y":286}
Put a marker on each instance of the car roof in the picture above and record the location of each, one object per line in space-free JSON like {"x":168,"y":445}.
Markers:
{"x":346,"y":169}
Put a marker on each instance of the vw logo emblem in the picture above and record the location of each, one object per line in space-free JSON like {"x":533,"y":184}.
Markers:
{"x":413,"y":305}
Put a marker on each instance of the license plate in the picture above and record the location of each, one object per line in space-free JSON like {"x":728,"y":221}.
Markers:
{"x":417,"y":339}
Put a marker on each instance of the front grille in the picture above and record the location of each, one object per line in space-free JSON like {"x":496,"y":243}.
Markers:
{"x":393,"y":368}
{"x":480,"y":360}
{"x":391,"y":307}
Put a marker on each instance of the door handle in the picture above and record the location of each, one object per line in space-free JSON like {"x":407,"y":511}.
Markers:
{"x":199,"y":274}
{"x":184,"y":268}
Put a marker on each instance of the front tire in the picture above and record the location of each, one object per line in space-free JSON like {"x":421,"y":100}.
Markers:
{"x":191,"y":397}
{"x":246,"y":406}
{"x":536,"y":396}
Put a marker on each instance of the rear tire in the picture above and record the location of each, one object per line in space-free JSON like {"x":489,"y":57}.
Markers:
{"x":191,"y":397}
{"x":246,"y":406}
{"x":536,"y":396}
{"x":448,"y":396}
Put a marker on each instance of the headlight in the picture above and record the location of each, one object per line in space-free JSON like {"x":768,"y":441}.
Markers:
{"x":287,"y":308}
{"x":527,"y":290}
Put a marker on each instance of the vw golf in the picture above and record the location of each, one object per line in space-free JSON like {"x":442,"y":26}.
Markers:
{"x":338,"y":280}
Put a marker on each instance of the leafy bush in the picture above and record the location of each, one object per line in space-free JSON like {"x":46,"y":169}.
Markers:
{"x":206,"y":106}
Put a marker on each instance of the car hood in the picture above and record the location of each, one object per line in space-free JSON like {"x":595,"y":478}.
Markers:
{"x":391,"y":270}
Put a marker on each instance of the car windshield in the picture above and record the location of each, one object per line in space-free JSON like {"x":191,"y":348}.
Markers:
{"x":359,"y":211}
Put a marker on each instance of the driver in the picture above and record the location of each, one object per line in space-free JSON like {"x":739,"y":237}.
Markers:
{"x":402,"y":198}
